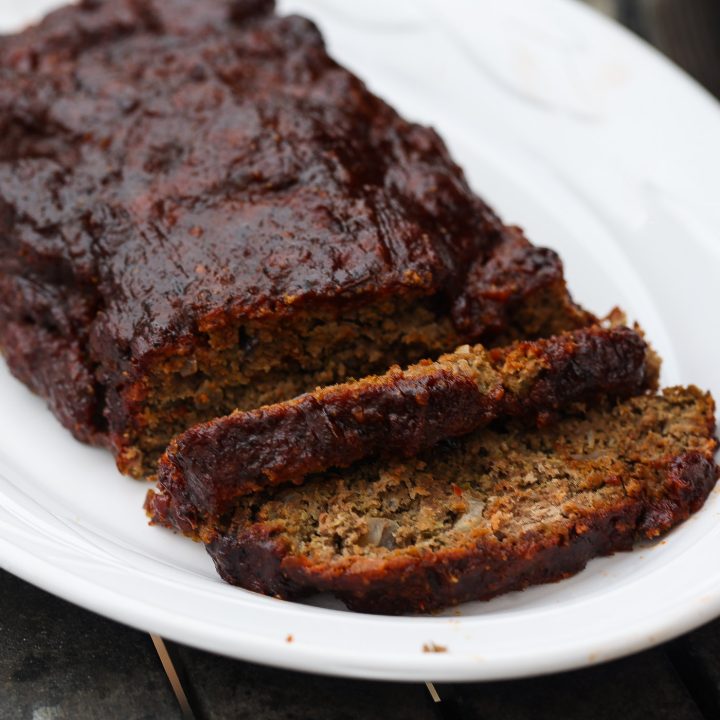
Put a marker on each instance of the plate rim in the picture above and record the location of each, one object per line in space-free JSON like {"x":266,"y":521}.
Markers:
{"x":316,"y":658}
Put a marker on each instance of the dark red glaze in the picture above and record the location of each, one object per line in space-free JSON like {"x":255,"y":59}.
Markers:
{"x":577,"y":366}
{"x":396,"y":415}
{"x":496,"y":284}
{"x":688,"y":481}
{"x":254,"y":559}
{"x":208,"y":467}
{"x":169,"y":167}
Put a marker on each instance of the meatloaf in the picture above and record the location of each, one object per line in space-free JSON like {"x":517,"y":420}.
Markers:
{"x":200,"y":211}
{"x":394,"y":415}
{"x":495,"y":511}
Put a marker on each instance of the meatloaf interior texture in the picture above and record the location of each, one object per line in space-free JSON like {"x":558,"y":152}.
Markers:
{"x":201,"y":211}
{"x":398,"y":414}
{"x":494,"y":511}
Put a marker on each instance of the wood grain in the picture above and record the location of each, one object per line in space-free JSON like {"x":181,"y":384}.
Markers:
{"x":636,"y":688}
{"x":687,"y":31}
{"x":219,"y":688}
{"x":59,"y":662}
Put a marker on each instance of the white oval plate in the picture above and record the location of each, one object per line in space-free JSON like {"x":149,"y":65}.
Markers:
{"x":602,"y":150}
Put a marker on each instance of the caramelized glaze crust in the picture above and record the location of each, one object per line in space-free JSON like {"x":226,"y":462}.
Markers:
{"x":170,"y":170}
{"x":484,"y":515}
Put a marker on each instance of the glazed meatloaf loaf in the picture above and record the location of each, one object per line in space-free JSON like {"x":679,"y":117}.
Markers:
{"x":201,"y":211}
{"x":485,"y":514}
{"x":395,"y":415}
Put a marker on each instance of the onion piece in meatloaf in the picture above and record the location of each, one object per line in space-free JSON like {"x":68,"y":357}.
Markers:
{"x":482,"y":515}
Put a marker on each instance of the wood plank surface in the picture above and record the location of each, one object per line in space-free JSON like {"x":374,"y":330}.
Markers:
{"x":697,"y":658}
{"x":637,"y":688}
{"x":220,"y":688}
{"x":687,"y":31}
{"x":58,"y":662}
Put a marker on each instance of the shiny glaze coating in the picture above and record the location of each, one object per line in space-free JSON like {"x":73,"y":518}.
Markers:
{"x":254,"y":559}
{"x":168,"y":168}
{"x":396,"y":415}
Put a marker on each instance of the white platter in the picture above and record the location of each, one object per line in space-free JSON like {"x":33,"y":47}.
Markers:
{"x":600,"y":149}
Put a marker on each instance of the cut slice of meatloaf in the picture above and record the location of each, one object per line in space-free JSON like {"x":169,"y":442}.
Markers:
{"x":394,"y":415}
{"x":200,"y":211}
{"x":492,"y":512}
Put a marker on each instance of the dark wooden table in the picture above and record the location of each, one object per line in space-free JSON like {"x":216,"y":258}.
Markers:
{"x":58,"y":662}
{"x":61,"y":663}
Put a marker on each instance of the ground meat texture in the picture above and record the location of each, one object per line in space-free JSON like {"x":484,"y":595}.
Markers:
{"x":495,"y":511}
{"x":395,"y":415}
{"x":201,"y":211}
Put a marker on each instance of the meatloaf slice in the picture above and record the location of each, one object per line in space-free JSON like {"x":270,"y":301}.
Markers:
{"x":394,"y":415}
{"x":492,"y":512}
{"x":200,"y":210}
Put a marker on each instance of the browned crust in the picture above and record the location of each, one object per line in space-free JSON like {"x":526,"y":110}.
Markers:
{"x":428,"y":581}
{"x":172,"y":168}
{"x":397,"y":414}
{"x":498,"y":283}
